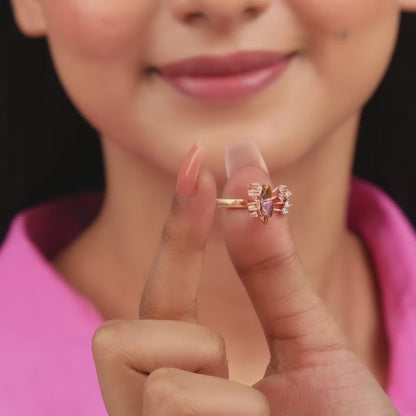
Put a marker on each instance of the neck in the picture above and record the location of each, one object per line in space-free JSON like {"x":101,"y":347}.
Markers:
{"x":113,"y":256}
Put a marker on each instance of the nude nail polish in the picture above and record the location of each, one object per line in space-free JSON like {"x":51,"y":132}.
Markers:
{"x":243,"y":153}
{"x":189,"y":171}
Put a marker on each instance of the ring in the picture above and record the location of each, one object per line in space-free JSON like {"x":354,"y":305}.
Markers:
{"x":262,"y":201}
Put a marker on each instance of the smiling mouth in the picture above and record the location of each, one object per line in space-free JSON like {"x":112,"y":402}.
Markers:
{"x":227,"y":81}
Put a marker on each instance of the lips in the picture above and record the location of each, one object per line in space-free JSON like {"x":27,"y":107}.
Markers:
{"x":237,"y":75}
{"x":220,"y":66}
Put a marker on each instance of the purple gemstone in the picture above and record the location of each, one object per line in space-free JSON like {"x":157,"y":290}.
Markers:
{"x":267,"y":206}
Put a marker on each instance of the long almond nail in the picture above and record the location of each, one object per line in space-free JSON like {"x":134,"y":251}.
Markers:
{"x":243,"y":153}
{"x":188,"y":173}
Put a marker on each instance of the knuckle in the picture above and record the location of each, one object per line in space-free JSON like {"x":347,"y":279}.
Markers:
{"x":180,"y":308}
{"x":186,"y":309}
{"x":323,"y":353}
{"x":189,"y":408}
{"x":159,"y":386}
{"x":180,"y":230}
{"x":163,"y":390}
{"x":174,"y":236}
{"x":169,"y":234}
{"x":148,"y":308}
{"x":215,"y":347}
{"x":173,"y":228}
{"x":287,"y":259}
{"x":106,"y":339}
{"x":330,"y":348}
{"x":262,"y":407}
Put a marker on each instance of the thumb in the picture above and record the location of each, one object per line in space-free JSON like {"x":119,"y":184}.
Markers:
{"x":296,"y":321}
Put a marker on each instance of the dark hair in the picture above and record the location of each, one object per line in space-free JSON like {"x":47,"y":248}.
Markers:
{"x":41,"y":132}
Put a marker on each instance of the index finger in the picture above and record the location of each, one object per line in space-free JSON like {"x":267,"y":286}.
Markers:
{"x":172,"y":287}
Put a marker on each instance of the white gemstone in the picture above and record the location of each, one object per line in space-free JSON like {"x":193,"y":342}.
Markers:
{"x":282,"y":188}
{"x":288,"y":193}
{"x":285,"y":211}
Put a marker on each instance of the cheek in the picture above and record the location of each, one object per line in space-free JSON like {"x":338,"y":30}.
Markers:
{"x":339,"y":15}
{"x":102,"y":29}
{"x":350,"y":42}
{"x":98,"y":47}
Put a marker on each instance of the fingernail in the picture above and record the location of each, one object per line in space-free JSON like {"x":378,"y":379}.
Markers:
{"x":188,"y":173}
{"x":243,"y":153}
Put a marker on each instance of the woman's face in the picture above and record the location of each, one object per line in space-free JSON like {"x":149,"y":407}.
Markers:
{"x":102,"y":50}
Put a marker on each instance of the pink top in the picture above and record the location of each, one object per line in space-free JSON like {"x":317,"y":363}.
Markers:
{"x":46,"y":363}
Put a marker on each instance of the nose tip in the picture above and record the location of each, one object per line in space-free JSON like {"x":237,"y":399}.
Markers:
{"x":219,"y":13}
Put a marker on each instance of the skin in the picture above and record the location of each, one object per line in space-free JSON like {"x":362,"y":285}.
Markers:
{"x":305,"y":125}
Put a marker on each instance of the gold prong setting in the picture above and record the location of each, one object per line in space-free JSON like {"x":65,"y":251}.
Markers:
{"x":263,"y":201}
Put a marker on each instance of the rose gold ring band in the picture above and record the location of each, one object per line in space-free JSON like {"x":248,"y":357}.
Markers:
{"x":231,"y":203}
{"x":262,"y":201}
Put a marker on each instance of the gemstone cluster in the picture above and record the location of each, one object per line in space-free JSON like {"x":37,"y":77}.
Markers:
{"x":263,"y":201}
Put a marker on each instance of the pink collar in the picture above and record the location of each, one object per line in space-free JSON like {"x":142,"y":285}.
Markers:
{"x":391,"y":241}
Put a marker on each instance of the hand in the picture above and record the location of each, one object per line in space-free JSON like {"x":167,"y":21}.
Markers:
{"x":165,"y":363}
{"x":312,"y":370}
